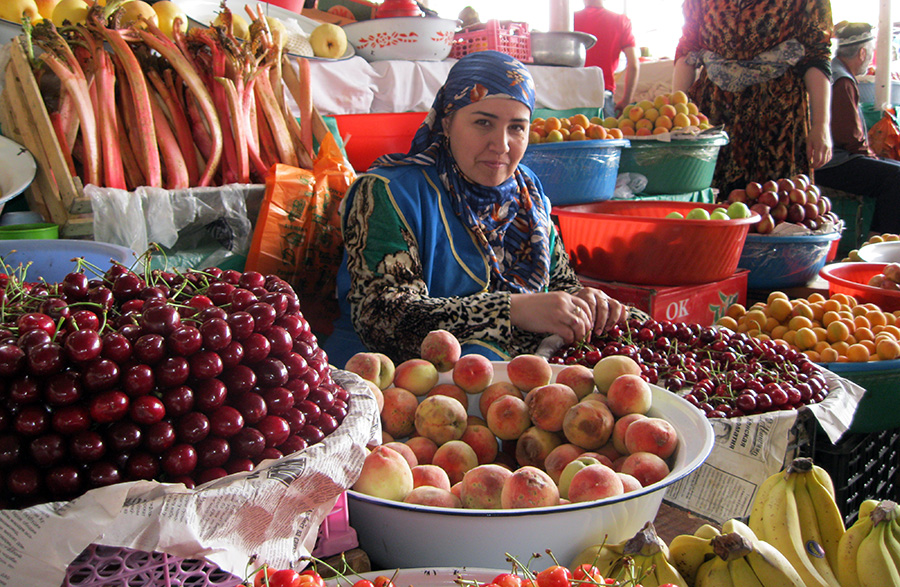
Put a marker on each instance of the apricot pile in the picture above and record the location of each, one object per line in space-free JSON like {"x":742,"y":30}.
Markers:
{"x":555,"y":129}
{"x":853,"y":256}
{"x":665,"y":113}
{"x":837,"y":329}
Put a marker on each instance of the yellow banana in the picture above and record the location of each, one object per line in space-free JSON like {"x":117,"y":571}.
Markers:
{"x":742,"y":574}
{"x":735,"y":525}
{"x":602,"y":556}
{"x":866,"y":507}
{"x":781,"y":529}
{"x":714,"y":573}
{"x":772,"y":568}
{"x":762,"y":495}
{"x":809,"y":528}
{"x":707,"y":531}
{"x":828,"y":515}
{"x":892,"y":534}
{"x":687,"y":553}
{"x":666,"y":572}
{"x":874,"y":563}
{"x":847,"y":548}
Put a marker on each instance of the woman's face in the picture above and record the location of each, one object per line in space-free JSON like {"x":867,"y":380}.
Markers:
{"x":488,"y":139}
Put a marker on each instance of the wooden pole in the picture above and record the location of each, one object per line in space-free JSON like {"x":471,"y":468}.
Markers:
{"x":883,"y":57}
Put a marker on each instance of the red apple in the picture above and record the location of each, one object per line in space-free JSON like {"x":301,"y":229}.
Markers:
{"x":753,"y":190}
{"x":779,"y":213}
{"x":796,"y":213}
{"x":770,"y":186}
{"x":766,"y":224}
{"x":738,"y":195}
{"x":785,"y":184}
{"x":797,"y":196}
{"x":811,"y":211}
{"x":760,"y":209}
{"x":769,"y":198}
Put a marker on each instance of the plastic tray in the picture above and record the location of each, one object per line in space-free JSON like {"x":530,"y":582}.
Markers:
{"x":335,"y":533}
{"x":632,"y":242}
{"x":512,"y":38}
{"x":674,"y":167}
{"x":576,"y":172}
{"x":785,"y":261}
{"x":106,"y":566}
{"x":852,"y":278}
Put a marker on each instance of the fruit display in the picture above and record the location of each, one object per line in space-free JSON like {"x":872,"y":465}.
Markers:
{"x":853,"y":255}
{"x":733,"y":211}
{"x":577,"y":128}
{"x":795,"y":511}
{"x":825,"y":330}
{"x":178,"y":377}
{"x":869,"y":551}
{"x":725,"y":373}
{"x":663,"y":114}
{"x":788,"y":199}
{"x":538,"y":441}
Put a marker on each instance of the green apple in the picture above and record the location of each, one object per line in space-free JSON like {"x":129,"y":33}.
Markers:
{"x":719,"y":214}
{"x":698,"y":214}
{"x":674,"y":214}
{"x":565,"y":478}
{"x":739,"y":210}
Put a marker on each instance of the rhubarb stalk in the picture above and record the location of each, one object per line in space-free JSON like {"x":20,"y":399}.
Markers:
{"x":166,"y":91}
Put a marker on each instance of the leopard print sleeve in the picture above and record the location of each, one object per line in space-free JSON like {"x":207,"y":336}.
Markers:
{"x":391,"y":307}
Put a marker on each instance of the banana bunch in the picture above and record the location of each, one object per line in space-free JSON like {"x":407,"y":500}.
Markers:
{"x":642,"y":559}
{"x":734,"y":557}
{"x":795,"y":512}
{"x":869,"y":551}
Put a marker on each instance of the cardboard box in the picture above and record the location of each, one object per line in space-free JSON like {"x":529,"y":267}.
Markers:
{"x":700,"y":304}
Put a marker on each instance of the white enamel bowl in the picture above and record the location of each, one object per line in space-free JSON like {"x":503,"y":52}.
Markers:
{"x":17,"y":169}
{"x":410,"y":38}
{"x":886,"y":252}
{"x":398,"y":535}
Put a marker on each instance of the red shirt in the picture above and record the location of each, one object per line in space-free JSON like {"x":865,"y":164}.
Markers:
{"x":613,"y":32}
{"x":847,"y":130}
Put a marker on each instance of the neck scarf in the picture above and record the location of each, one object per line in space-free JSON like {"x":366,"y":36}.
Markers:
{"x":510,"y":221}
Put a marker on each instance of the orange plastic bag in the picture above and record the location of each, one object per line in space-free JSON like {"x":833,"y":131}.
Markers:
{"x":884,"y":136}
{"x":298,"y":232}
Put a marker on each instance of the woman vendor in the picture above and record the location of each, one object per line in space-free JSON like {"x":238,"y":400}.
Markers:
{"x":456,"y":235}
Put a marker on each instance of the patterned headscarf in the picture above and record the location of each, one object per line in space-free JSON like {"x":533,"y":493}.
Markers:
{"x":509,"y":220}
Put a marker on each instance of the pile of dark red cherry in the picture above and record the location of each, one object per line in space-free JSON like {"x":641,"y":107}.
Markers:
{"x":724,"y":373}
{"x":181,"y":377}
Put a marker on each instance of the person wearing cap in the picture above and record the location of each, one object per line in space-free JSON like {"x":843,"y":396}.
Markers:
{"x":457,"y":235}
{"x":853,"y":167}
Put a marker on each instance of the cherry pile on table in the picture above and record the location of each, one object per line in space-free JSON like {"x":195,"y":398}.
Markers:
{"x":724,"y":373}
{"x":181,"y":377}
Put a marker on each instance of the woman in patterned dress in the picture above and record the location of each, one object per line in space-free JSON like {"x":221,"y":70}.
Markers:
{"x":764,"y":73}
{"x":456,"y":235}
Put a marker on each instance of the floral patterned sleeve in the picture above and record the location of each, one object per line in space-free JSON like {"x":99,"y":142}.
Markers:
{"x":690,"y":32}
{"x":815,"y":34}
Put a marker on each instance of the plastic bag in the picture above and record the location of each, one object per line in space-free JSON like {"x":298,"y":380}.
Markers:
{"x":629,"y":184}
{"x":884,"y":136}
{"x":298,"y":233}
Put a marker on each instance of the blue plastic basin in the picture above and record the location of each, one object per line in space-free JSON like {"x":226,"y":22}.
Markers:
{"x":53,"y":259}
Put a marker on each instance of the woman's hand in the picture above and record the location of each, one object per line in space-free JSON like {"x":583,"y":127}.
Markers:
{"x":573,"y":317}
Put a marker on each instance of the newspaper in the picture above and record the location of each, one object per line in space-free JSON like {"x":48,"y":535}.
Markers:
{"x":747,"y":450}
{"x":273,"y":512}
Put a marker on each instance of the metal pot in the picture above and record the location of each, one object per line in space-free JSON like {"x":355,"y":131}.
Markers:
{"x":560,"y":47}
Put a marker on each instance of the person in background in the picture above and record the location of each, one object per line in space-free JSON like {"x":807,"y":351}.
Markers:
{"x":614,"y":37}
{"x":456,"y":235}
{"x":853,"y":166}
{"x":764,"y":73}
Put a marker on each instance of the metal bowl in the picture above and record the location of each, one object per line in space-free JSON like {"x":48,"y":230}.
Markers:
{"x":565,"y":48}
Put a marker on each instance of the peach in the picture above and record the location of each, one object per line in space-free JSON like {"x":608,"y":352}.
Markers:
{"x":386,"y":375}
{"x":474,"y":420}
{"x":629,"y":482}
{"x":617,"y":464}
{"x":619,"y":430}
{"x":440,"y":418}
{"x":611,"y":366}
{"x":528,"y":371}
{"x":609,"y":449}
{"x":595,"y":397}
{"x":456,"y":489}
{"x":629,"y":394}
{"x":376,"y":391}
{"x":646,"y":467}
{"x":440,"y":348}
{"x":559,"y":457}
{"x":508,"y":417}
{"x":482,"y":441}
{"x":455,"y":457}
{"x":430,"y":475}
{"x":652,"y":435}
{"x":575,"y":465}
{"x":473,"y":373}
{"x":406,"y":452}
{"x":506,"y":460}
{"x":433,"y":496}
{"x":399,"y":414}
{"x":595,"y":482}
{"x":534,"y":445}
{"x":495,"y":390}
{"x":451,"y":390}
{"x":416,"y":375}
{"x":529,"y":487}
{"x":579,"y":378}
{"x":365,"y":364}
{"x":548,"y":404}
{"x":423,"y":448}
{"x":385,"y":474}
{"x":588,"y":424}
{"x":482,"y":486}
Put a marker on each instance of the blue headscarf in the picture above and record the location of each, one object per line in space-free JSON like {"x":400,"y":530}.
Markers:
{"x":509,"y":220}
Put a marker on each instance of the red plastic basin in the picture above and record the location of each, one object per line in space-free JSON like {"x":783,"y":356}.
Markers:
{"x":853,"y":278}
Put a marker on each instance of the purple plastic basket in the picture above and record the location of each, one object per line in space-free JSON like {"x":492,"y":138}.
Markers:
{"x":113,"y":566}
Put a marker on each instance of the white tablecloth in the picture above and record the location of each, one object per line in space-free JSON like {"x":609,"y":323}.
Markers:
{"x":355,"y":86}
